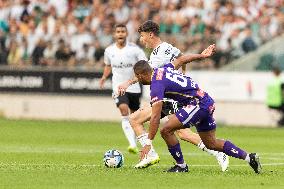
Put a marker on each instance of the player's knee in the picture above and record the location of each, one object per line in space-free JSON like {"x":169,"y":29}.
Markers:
{"x":134,"y":120}
{"x":124,"y":113}
{"x":124,"y":109}
{"x":165,"y":131}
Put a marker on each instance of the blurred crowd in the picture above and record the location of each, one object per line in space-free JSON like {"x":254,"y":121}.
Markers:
{"x":75,"y":33}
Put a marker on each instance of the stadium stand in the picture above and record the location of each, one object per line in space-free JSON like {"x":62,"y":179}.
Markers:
{"x":74,"y":33}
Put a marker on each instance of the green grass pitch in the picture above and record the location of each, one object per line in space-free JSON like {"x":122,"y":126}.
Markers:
{"x":59,"y":154}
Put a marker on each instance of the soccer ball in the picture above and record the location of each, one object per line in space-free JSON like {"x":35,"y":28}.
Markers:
{"x":113,"y":159}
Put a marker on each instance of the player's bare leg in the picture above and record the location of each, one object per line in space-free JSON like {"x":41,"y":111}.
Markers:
{"x":127,"y":129}
{"x":230,"y":149}
{"x":189,"y":136}
{"x":137,"y":119}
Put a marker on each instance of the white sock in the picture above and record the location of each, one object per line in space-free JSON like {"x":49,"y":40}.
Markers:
{"x":182,"y":165}
{"x":203,"y":147}
{"x":247,"y":159}
{"x":128,"y":131}
{"x":142,"y":139}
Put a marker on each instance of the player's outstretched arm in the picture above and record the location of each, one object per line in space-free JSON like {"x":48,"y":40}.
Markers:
{"x":184,"y":59}
{"x":123,"y":86}
{"x":107,"y":71}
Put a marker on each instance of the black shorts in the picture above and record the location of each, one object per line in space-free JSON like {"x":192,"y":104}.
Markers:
{"x":131,"y":99}
{"x":170,"y":107}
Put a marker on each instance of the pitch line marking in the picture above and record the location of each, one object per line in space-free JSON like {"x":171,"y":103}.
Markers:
{"x":93,"y":165}
{"x":27,"y":149}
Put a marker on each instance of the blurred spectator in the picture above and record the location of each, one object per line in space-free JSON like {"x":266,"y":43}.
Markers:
{"x":248,"y":43}
{"x":85,"y":57}
{"x":237,"y":27}
{"x":105,"y":35}
{"x":61,"y":6}
{"x":49,"y":54}
{"x":121,"y":11}
{"x":25,"y":52}
{"x":81,"y":10}
{"x":14,"y":55}
{"x":32,"y":38}
{"x":3,"y":50}
{"x":61,"y":53}
{"x":81,"y":37}
{"x":99,"y":53}
{"x":64,"y":56}
{"x":274,"y":96}
{"x":197,"y":27}
{"x":37,"y":55}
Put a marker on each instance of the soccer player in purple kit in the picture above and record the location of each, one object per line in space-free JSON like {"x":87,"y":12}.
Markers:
{"x":198,"y":108}
{"x":163,"y":53}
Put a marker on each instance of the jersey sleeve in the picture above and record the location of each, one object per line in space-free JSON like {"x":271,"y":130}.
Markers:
{"x":163,"y":54}
{"x":176,"y":51}
{"x":107,"y":57}
{"x":157,"y":87}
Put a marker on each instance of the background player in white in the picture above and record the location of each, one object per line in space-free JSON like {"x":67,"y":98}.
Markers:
{"x":119,"y":59}
{"x":162,"y":53}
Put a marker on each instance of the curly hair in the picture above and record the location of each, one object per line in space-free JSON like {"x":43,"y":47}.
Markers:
{"x":149,"y":26}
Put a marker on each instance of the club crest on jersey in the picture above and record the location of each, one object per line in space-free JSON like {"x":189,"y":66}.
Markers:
{"x":160,"y":73}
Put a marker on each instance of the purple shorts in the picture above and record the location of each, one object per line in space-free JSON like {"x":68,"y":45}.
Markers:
{"x":195,"y":116}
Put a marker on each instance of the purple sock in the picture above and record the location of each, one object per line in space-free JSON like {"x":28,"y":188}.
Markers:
{"x":176,"y":153}
{"x":231,"y":150}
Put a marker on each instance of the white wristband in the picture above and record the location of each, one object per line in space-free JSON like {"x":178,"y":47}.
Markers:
{"x":148,"y":142}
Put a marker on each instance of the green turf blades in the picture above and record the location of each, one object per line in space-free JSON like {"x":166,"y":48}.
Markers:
{"x":44,"y":154}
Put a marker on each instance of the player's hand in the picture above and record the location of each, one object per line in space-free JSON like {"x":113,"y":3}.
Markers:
{"x":209,"y":51}
{"x":122,"y":88}
{"x":144,"y":151}
{"x":102,"y":82}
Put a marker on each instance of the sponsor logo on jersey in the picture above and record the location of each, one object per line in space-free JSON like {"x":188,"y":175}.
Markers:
{"x":121,"y":65}
{"x":200,"y":93}
{"x":160,"y":74}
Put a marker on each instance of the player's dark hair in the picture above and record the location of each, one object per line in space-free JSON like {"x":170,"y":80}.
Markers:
{"x":142,"y":67}
{"x":149,"y":26}
{"x":120,"y":26}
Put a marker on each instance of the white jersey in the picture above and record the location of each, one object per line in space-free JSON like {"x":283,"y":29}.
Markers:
{"x":122,"y":62}
{"x":163,"y":54}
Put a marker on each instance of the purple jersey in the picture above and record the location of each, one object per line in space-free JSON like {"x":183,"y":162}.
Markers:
{"x":169,"y":83}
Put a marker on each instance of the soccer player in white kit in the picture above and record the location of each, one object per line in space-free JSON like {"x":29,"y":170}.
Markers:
{"x":119,"y":58}
{"x":162,"y":53}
